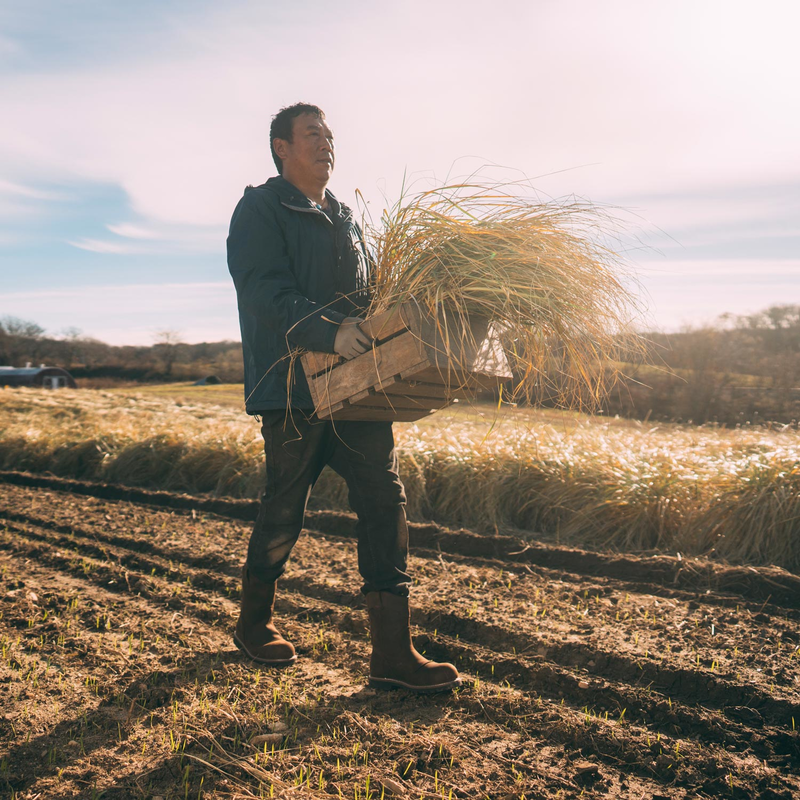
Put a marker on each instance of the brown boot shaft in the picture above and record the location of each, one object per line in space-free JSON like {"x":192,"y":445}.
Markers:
{"x":394,"y":661}
{"x":257,"y":599}
{"x":256,"y":634}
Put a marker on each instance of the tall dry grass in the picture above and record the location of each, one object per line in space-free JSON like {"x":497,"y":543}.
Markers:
{"x":131,"y":439}
{"x":567,"y":477}
{"x":543,"y":274}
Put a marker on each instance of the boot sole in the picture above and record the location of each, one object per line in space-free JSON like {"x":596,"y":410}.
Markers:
{"x":275,"y":662}
{"x":386,"y":684}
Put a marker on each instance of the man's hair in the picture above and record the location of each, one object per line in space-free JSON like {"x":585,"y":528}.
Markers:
{"x":282,"y":124}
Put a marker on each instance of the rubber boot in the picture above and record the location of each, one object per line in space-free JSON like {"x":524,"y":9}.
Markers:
{"x":256,"y":635}
{"x":394,"y":662}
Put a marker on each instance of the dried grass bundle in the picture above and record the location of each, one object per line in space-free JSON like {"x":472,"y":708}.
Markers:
{"x":539,"y":273}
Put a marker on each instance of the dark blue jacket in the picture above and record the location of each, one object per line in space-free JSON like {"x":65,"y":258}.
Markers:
{"x":298,"y":274}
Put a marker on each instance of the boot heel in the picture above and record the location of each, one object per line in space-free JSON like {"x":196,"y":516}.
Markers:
{"x":267,"y":662}
{"x":255,"y":634}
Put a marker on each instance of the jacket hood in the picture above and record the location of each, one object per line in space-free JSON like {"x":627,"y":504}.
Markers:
{"x":290,"y":196}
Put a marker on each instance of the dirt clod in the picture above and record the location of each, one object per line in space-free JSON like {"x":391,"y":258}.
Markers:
{"x":393,"y":786}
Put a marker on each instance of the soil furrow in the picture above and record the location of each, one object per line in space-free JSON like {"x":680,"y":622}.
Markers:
{"x":587,"y":735}
{"x":765,"y":585}
{"x":674,"y":683}
{"x":153,"y":545}
{"x":788,"y":630}
{"x":115,"y":626}
{"x":114,"y":703}
{"x":542,"y":679}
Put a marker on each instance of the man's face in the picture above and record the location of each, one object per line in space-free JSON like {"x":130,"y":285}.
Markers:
{"x":309,"y":156}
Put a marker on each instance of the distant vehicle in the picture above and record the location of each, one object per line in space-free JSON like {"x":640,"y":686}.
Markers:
{"x":44,"y":376}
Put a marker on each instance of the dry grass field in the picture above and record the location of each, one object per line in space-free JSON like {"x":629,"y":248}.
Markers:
{"x":564,"y":477}
{"x":589,"y":673}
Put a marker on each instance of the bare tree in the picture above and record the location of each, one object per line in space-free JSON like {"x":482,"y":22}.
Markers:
{"x":14,"y":326}
{"x":71,"y":337}
{"x":167,"y":343}
{"x":21,"y":340}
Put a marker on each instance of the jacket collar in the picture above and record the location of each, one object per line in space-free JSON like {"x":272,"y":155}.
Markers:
{"x":291,"y":197}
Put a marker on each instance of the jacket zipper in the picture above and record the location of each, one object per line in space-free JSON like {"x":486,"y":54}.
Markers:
{"x":336,"y":249}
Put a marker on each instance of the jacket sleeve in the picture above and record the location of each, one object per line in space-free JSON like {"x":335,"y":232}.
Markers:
{"x":259,"y":264}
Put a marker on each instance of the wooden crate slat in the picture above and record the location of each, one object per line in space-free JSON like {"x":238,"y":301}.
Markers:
{"x":355,"y":398}
{"x":381,"y":400}
{"x":400,"y":401}
{"x":394,"y":379}
{"x":315,"y":363}
{"x":383,"y":326}
{"x":395,"y":387}
{"x":458,"y":380}
{"x":381,"y":414}
{"x":413,"y":388}
{"x":420,"y":394}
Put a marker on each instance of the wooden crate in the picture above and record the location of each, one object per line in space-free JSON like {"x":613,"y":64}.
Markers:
{"x":406,"y":375}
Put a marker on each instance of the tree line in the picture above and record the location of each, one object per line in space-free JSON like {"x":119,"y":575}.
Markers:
{"x":740,"y":369}
{"x":167,"y":358}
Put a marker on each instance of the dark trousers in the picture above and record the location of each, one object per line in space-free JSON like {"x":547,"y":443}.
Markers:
{"x":296,"y":450}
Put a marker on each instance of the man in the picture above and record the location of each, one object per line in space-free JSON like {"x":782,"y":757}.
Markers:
{"x":302,"y":275}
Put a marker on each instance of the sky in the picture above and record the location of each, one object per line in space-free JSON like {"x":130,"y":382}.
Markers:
{"x":130,"y":130}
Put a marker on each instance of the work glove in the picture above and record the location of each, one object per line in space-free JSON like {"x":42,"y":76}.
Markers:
{"x":350,"y":340}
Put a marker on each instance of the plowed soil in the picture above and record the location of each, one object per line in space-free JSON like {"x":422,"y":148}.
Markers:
{"x":588,"y":675}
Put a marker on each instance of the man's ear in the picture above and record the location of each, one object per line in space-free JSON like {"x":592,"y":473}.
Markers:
{"x":280,"y":146}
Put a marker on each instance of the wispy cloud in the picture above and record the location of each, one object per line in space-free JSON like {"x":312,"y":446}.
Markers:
{"x":757,"y":270}
{"x":607,"y":100}
{"x":107,"y":290}
{"x":9,"y":47}
{"x":8,"y":238}
{"x":20,"y":200}
{"x":734,"y":206}
{"x":129,"y":231}
{"x":29,"y":192}
{"x":156,"y":239}
{"x":100,"y":246}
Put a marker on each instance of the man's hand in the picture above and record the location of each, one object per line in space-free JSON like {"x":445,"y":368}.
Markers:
{"x":351,"y":341}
